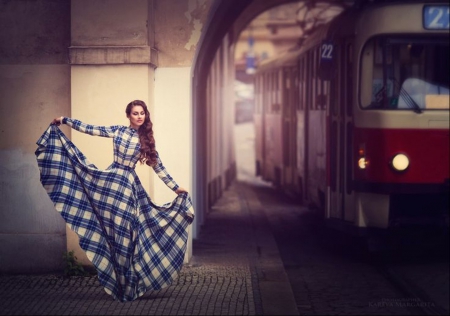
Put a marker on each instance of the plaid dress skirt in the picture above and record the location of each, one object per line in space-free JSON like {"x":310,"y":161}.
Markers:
{"x":134,"y":244}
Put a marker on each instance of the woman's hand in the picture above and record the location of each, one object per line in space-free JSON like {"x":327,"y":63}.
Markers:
{"x":180,"y":190}
{"x":57,"y":121}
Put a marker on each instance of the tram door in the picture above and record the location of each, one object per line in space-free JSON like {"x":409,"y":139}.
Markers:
{"x":341,"y":133}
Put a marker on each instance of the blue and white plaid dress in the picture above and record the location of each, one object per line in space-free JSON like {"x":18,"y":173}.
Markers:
{"x":134,"y":244}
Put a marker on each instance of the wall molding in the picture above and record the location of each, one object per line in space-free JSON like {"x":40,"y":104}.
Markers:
{"x":112,"y":55}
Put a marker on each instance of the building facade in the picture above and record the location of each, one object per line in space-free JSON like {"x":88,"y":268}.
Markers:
{"x":87,"y":60}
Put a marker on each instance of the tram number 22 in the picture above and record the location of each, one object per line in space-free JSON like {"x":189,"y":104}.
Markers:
{"x":326,"y":51}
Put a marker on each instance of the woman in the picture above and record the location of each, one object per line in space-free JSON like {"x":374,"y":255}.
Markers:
{"x":134,"y":244}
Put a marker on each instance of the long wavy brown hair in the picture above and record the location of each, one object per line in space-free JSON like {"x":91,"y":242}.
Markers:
{"x":148,"y":151}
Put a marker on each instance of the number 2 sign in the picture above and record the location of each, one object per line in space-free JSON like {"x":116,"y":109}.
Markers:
{"x":436,"y":17}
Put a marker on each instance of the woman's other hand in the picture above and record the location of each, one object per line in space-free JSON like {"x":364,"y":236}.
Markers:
{"x":180,"y":190}
{"x":57,"y":121}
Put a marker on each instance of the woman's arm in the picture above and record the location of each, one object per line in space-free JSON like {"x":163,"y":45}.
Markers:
{"x":166,"y":178}
{"x":104,"y":131}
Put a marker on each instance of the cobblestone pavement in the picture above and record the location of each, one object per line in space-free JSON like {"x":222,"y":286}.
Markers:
{"x":255,"y":255}
{"x":229,"y":274}
{"x":205,"y":290}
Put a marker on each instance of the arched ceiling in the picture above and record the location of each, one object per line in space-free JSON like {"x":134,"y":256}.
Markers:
{"x":257,"y":7}
{"x":232,"y":16}
{"x":254,"y":9}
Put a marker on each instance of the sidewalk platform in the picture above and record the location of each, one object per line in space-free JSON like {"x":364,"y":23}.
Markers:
{"x":236,"y":269}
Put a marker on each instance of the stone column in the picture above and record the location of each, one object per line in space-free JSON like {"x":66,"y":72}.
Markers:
{"x":121,"y":51}
{"x":34,"y":88}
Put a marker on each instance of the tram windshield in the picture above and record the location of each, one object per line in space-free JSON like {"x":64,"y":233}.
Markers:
{"x":405,"y":74}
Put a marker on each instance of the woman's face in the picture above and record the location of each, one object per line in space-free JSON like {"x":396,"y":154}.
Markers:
{"x":137,"y":116}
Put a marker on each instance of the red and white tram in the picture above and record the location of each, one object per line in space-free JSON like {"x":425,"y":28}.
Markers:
{"x":356,"y":120}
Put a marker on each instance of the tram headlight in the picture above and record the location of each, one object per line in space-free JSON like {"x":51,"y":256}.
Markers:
{"x":362,"y":163}
{"x":400,"y":162}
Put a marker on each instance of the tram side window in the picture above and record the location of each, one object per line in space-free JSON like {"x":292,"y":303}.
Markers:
{"x":286,"y":90}
{"x":271,"y":92}
{"x":279,"y":87}
{"x":320,"y":92}
{"x":274,"y":92}
{"x":256,"y":108}
{"x":296,"y":99}
{"x":316,"y":80}
{"x":349,"y":78}
{"x":260,"y":93}
{"x":308,"y":80}
{"x":405,"y":73}
{"x":301,"y":71}
{"x":320,"y":84}
{"x":313,"y":80}
{"x":264,"y":93}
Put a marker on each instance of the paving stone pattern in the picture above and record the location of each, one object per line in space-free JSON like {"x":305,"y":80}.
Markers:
{"x":219,"y":280}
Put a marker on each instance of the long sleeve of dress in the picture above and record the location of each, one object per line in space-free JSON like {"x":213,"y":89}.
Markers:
{"x":103,"y":131}
{"x":164,"y":176}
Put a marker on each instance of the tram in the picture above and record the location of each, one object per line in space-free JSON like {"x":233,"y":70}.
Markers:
{"x":355,"y":121}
